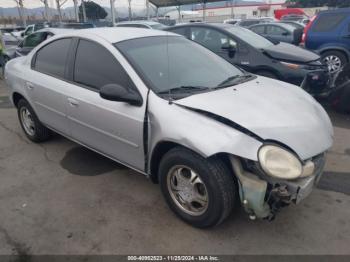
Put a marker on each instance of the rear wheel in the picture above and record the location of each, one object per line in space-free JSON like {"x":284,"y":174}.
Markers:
{"x":200,"y":191}
{"x":335,"y":60}
{"x":30,"y":123}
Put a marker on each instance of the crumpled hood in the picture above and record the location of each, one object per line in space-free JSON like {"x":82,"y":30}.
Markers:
{"x":292,"y":53}
{"x":272,"y":110}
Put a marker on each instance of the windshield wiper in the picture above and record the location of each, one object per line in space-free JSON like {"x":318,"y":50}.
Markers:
{"x":234,"y":80}
{"x":184,"y":89}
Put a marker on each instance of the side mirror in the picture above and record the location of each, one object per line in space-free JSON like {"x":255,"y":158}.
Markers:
{"x":114,"y":92}
{"x":22,"y":34}
{"x":285,"y":33}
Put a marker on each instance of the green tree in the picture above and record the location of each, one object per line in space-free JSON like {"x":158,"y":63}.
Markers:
{"x":93,"y":11}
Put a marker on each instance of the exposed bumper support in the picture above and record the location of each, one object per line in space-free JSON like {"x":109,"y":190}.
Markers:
{"x":263,"y":198}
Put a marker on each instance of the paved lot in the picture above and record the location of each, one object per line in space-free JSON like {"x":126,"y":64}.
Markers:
{"x":59,"y":198}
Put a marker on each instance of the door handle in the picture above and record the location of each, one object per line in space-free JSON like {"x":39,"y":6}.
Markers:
{"x":73,"y":102}
{"x":29,"y":85}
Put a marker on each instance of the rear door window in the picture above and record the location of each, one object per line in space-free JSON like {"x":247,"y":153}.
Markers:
{"x":95,"y":67}
{"x":259,"y":29}
{"x":275,"y":30}
{"x":328,"y":22}
{"x":51,"y":59}
{"x":210,"y":38}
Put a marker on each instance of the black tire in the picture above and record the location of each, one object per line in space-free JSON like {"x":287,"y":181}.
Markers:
{"x":217,"y":178}
{"x":268,"y":74}
{"x":40,"y":132}
{"x":343,"y":103}
{"x":341,"y":56}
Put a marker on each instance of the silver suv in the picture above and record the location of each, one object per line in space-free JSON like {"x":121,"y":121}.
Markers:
{"x":207,"y":131}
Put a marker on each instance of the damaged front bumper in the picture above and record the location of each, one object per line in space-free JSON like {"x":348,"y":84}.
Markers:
{"x":263,"y":196}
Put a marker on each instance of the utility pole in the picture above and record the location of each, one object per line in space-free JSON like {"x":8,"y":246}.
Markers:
{"x":232,"y":12}
{"x":130,"y":14}
{"x":84,"y":10}
{"x":113,"y":12}
{"x":76,"y":10}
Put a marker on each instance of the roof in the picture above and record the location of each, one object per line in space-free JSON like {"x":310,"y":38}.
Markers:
{"x":55,"y":31}
{"x":145,"y":22}
{"x":164,"y":3}
{"x":117,"y":34}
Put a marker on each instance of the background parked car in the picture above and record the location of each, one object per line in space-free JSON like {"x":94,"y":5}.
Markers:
{"x":253,"y":21}
{"x":279,"y":32}
{"x":33,"y":28}
{"x":232,"y":21}
{"x":258,"y":55}
{"x":32,"y":40}
{"x":142,"y":24}
{"x":329,"y":35}
{"x":74,"y":25}
{"x":296,"y":24}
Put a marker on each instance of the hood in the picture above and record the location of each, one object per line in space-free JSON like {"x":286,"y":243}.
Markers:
{"x":271,"y":110}
{"x":292,"y":53}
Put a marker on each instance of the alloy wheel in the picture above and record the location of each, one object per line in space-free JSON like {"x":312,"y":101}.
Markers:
{"x":187,"y":190}
{"x":27,"y":121}
{"x":333,"y":62}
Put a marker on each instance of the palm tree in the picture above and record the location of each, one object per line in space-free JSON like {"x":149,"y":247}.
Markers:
{"x":59,"y":4}
{"x":21,"y":13}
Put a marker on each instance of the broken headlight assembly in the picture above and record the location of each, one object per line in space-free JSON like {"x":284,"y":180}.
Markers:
{"x":281,"y":163}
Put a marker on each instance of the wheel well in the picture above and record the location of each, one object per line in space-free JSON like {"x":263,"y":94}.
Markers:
{"x":16,"y":97}
{"x":159,"y":151}
{"x":337,"y":50}
{"x":163,"y":147}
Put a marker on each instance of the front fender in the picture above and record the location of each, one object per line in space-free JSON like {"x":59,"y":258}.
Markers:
{"x":200,"y":133}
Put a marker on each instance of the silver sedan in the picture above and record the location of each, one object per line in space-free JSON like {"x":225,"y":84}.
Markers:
{"x":209,"y":133}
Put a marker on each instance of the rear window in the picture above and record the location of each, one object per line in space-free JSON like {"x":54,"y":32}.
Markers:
{"x":51,"y":59}
{"x":328,"y":22}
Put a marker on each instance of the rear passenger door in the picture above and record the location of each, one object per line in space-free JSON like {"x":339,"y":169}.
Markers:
{"x":110,"y":127}
{"x":47,"y":86}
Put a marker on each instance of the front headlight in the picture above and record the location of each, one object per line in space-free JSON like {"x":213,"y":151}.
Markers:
{"x":280,"y":163}
{"x":291,"y":65}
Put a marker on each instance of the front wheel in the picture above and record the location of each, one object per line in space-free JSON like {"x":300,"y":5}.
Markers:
{"x":202,"y":192}
{"x":335,"y":60}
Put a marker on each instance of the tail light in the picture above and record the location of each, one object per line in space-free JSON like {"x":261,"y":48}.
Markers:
{"x":306,"y":29}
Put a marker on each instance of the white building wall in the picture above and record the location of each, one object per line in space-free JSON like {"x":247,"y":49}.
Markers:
{"x":220,"y":14}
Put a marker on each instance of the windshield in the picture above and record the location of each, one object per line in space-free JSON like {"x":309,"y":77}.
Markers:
{"x":249,"y":37}
{"x":174,"y":63}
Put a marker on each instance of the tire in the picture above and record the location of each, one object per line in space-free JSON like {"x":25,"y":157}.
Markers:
{"x":34,"y":130}
{"x":219,"y":190}
{"x":334,"y":59}
{"x":268,"y":74}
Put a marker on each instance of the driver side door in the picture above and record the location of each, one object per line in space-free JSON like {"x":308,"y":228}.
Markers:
{"x":112,"y":128}
{"x":218,"y":42}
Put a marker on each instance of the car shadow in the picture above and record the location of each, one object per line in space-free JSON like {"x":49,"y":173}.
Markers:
{"x":82,"y":161}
